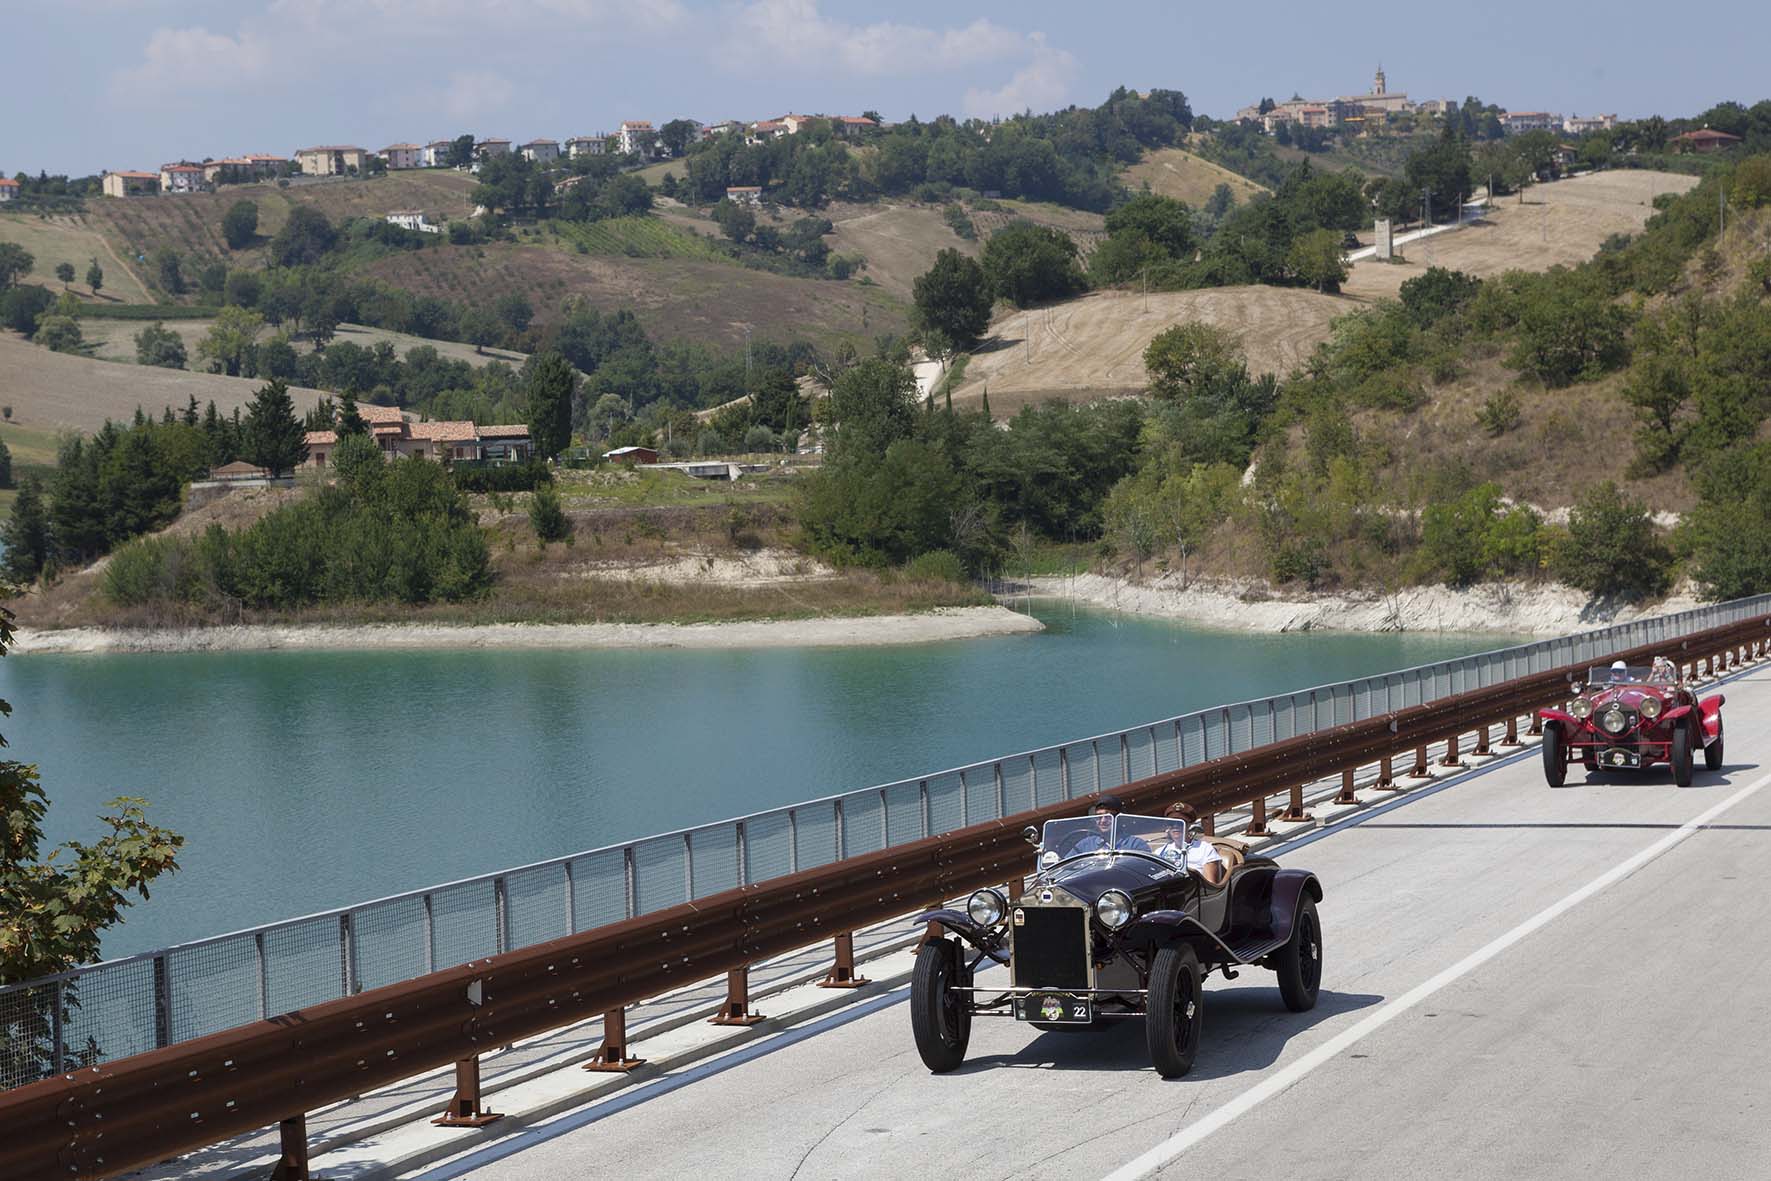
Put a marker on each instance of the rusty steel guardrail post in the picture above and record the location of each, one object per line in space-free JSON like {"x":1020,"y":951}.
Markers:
{"x":842,"y":972}
{"x":465,"y":1110}
{"x":292,"y":1164}
{"x":736,"y":1008}
{"x":611,"y":1057}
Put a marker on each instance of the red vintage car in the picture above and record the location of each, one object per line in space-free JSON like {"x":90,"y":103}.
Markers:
{"x":1633,"y":718}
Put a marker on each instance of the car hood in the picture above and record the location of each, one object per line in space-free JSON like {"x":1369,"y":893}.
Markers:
{"x":1087,"y":881}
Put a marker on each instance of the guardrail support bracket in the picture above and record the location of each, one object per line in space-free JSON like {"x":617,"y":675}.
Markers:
{"x":1419,"y":771}
{"x":1347,"y":794}
{"x":1294,"y":807}
{"x":842,"y":973}
{"x":1453,"y":756}
{"x":464,"y":1109}
{"x":292,"y":1137}
{"x":1512,"y":738}
{"x":1257,"y":822}
{"x":1385,"y":780}
{"x":612,"y":1057}
{"x":736,"y":1010}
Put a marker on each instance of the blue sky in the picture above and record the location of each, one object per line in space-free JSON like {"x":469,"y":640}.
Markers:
{"x":95,"y":84}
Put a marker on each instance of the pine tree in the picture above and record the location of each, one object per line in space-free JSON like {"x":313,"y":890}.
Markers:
{"x":273,"y":435}
{"x":551,"y":386}
{"x":350,"y":421}
{"x":26,"y":536}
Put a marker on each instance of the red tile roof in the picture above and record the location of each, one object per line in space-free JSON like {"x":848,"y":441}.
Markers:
{"x":443,"y":432}
{"x":320,"y":438}
{"x":138,"y":175}
{"x":369,"y":412}
{"x":8,"y":182}
{"x":517,"y":431}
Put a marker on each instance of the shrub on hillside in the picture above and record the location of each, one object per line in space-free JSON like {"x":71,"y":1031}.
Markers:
{"x":1611,"y":548}
{"x":939,"y":565}
{"x":546,"y":516}
{"x":519,"y":477}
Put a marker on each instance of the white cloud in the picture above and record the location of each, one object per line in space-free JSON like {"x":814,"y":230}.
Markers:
{"x":794,"y":33}
{"x":179,"y":61}
{"x":1043,"y":84}
{"x":502,"y":20}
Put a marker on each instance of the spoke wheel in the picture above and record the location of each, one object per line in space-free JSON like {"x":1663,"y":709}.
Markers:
{"x":1177,"y":1010}
{"x":1555,"y":762}
{"x":1299,"y":963}
{"x":940,"y":1018}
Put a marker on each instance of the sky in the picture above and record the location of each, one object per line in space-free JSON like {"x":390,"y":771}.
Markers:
{"x":113,"y":84}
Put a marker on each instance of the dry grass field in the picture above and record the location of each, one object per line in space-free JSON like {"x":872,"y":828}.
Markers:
{"x":1178,"y":173}
{"x":71,"y":238}
{"x":1559,"y":224}
{"x":705,"y":301}
{"x":1093,"y":346}
{"x":51,"y":391}
{"x":899,"y":242}
{"x":191,"y":223}
{"x":114,"y":340}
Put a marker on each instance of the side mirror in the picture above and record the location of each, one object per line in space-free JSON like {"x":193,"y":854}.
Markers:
{"x":1031,"y":836}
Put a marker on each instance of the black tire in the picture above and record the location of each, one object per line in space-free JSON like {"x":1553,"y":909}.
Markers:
{"x":1299,"y":963}
{"x":940,"y":1019}
{"x":1712,"y":754}
{"x":1555,"y":763}
{"x":1176,"y":1010}
{"x":1681,"y":755}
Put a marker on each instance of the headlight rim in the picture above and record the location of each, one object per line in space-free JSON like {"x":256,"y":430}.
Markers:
{"x":993,"y":895}
{"x":1649,"y":699}
{"x":1616,"y":713}
{"x":1581,"y":708}
{"x":1101,"y":912}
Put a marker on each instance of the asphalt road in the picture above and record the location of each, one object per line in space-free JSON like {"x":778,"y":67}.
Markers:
{"x":1518,"y":981}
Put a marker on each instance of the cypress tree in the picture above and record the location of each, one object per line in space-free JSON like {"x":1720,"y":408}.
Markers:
{"x":26,"y":536}
{"x":273,"y":436}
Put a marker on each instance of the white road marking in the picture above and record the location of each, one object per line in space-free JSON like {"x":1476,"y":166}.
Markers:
{"x":1191,"y":1135}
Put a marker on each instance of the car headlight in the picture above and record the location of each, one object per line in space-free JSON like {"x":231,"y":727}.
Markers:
{"x":1651,"y":707}
{"x":986,"y":907}
{"x":1613,"y":721}
{"x":1113,"y":909}
{"x":1581,"y":708}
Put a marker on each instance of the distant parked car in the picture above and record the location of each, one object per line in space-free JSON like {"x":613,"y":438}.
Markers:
{"x":1633,"y":718}
{"x":1107,"y":932}
{"x":1349,"y":241}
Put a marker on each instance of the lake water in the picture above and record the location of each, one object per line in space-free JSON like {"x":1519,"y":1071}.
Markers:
{"x":307,"y":780}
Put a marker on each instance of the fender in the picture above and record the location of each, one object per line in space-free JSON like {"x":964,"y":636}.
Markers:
{"x":1156,"y":924}
{"x":961,"y":924}
{"x":1711,"y":705}
{"x":1289,"y":888}
{"x":1560,"y":715}
{"x":1673,"y":715}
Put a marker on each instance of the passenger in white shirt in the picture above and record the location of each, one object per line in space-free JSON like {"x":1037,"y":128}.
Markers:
{"x":1188,"y":849}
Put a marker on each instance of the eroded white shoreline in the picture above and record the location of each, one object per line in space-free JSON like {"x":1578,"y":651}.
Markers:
{"x":1504,"y":608}
{"x":950,"y":623}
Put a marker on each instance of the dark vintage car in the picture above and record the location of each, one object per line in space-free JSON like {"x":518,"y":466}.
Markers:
{"x":1633,"y":718}
{"x":1111,"y":928}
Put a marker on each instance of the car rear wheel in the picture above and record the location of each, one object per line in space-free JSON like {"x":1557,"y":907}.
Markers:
{"x":1712,"y":754}
{"x":1177,"y":1010}
{"x":1299,"y":963}
{"x":1681,"y":755}
{"x":940,"y":1018}
{"x":1555,"y":762}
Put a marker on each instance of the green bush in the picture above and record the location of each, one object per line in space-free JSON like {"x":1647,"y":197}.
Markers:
{"x":516,"y":477}
{"x":546,"y":516}
{"x":936,"y":566}
{"x":1611,"y":548}
{"x":1500,"y":412}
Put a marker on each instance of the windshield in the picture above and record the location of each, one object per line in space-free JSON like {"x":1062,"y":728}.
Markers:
{"x":1106,"y":833}
{"x":1661,"y":672}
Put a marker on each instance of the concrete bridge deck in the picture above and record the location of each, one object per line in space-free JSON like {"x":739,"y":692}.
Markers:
{"x":1518,"y":980}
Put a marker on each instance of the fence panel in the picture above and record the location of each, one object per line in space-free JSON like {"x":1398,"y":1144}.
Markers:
{"x":1048,"y":777}
{"x":768,"y":846}
{"x":390,"y":941}
{"x":660,"y":874}
{"x":304,"y":965}
{"x":1017,"y":784}
{"x":599,"y":888}
{"x":465,"y":916}
{"x":863,"y":823}
{"x":816,"y":834}
{"x":1141,"y":751}
{"x":715,"y":852}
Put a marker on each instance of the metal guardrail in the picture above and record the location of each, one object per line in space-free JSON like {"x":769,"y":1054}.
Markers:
{"x":127,"y":1006}
{"x":105,"y":1120}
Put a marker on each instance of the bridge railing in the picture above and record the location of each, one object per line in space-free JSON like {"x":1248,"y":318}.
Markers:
{"x":126,"y":1006}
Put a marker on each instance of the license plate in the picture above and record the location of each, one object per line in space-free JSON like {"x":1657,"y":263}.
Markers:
{"x":1055,"y":1009}
{"x":1620,"y":758}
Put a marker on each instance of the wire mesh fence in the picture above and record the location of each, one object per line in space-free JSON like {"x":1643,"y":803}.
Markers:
{"x":121,"y":1007}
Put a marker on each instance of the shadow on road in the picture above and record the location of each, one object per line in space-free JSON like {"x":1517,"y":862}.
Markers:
{"x":1246,"y":1028}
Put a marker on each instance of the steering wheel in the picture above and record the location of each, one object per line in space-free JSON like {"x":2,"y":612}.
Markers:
{"x":1067,"y":846}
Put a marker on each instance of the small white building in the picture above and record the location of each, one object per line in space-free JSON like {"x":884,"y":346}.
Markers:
{"x":1519,"y":122}
{"x":9,"y":189}
{"x":413,"y":219}
{"x":1575,"y":125}
{"x":541,"y":151}
{"x":403,"y":156}
{"x":485,"y":149}
{"x":744,"y":194}
{"x":435,"y":154}
{"x":638,"y":137}
{"x":588,"y":145}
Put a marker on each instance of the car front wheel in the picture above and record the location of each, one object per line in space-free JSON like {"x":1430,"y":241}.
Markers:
{"x":1299,"y":963}
{"x":1681,"y":755}
{"x":1712,"y":754}
{"x":1555,"y":763}
{"x":940,"y":1018}
{"x":1177,"y":1010}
